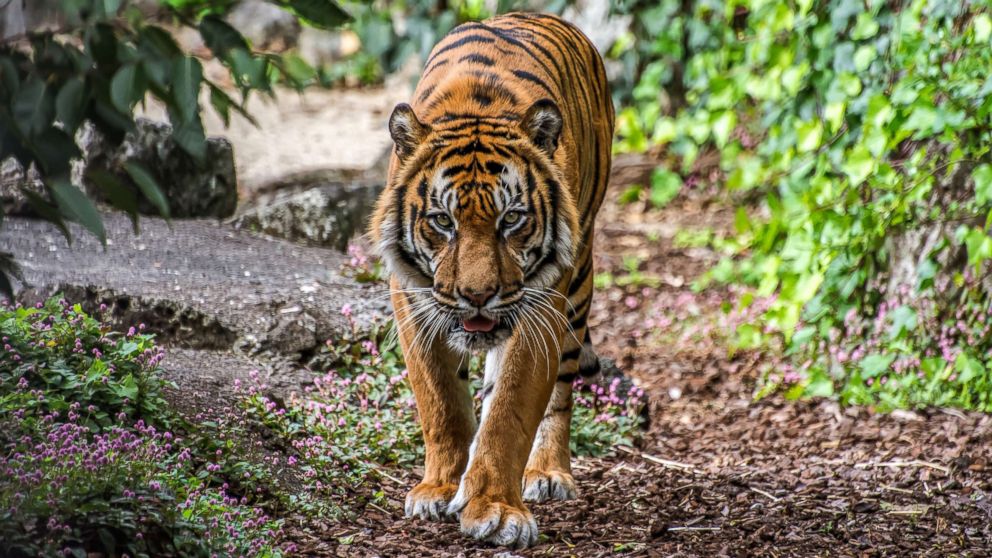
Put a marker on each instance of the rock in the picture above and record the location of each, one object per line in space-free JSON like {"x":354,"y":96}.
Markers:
{"x":196,"y":283}
{"x":12,"y":179}
{"x":321,"y":48}
{"x":265,"y":25}
{"x":193,"y":190}
{"x":327,"y":214}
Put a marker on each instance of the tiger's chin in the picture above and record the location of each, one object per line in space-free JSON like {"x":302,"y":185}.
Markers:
{"x":471,"y":340}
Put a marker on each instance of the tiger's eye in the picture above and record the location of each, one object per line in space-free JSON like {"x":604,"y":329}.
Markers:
{"x":443,"y":221}
{"x":511,"y":217}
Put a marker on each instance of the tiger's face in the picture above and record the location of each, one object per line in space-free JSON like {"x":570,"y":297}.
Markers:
{"x":480,"y":227}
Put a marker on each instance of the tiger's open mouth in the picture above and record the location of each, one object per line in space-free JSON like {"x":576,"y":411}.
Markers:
{"x":478,"y":332}
{"x":479,"y":324}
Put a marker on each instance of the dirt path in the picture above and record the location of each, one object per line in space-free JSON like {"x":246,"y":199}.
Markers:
{"x":718,"y":474}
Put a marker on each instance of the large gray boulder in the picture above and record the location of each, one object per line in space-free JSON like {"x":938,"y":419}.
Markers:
{"x":327,"y":213}
{"x":193,"y":189}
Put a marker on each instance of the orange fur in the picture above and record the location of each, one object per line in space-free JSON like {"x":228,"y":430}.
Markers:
{"x":500,"y":166}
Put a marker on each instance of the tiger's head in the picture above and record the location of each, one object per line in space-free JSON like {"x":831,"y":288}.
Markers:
{"x":476,"y":223}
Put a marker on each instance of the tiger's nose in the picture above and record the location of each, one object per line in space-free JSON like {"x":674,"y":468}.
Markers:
{"x":478,"y":297}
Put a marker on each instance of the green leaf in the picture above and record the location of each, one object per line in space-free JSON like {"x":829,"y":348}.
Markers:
{"x":982,"y":175}
{"x":70,"y":104}
{"x":187,"y":75}
{"x":968,"y":368}
{"x":723,"y":125}
{"x":33,"y":107}
{"x":75,"y":206}
{"x":127,"y":88}
{"x":665,"y":185}
{"x":859,"y":164}
{"x":874,"y":365}
{"x":148,"y":186}
{"x":808,"y":136}
{"x":903,"y":320}
{"x":190,"y":136}
{"x":220,"y":37}
{"x":119,"y":195}
{"x":325,"y":14}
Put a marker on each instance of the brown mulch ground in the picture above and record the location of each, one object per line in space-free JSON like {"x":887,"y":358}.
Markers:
{"x":718,"y":473}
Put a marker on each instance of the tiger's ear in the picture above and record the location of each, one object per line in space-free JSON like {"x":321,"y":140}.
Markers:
{"x":543,"y":123}
{"x":406,"y":130}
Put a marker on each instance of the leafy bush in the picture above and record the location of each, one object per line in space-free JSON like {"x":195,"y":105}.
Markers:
{"x":98,"y":71}
{"x":855,"y":124}
{"x":88,"y":461}
{"x":58,"y":351}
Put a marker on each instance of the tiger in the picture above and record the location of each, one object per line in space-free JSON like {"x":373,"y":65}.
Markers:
{"x":485,"y":225}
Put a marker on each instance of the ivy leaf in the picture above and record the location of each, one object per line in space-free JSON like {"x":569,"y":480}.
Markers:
{"x":148,"y":186}
{"x":723,"y":126}
{"x":982,"y":175}
{"x":75,"y":206}
{"x":808,"y":136}
{"x":665,"y":185}
{"x":859,"y":164}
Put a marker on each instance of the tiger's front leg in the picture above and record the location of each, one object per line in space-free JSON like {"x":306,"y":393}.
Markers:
{"x":439,"y":378}
{"x":519,"y":379}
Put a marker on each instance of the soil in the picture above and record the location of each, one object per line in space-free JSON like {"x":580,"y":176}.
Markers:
{"x":718,"y":473}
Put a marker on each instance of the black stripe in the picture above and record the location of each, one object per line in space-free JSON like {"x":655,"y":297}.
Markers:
{"x":527,"y":76}
{"x":477,"y":59}
{"x":567,"y":378}
{"x":580,"y":279}
{"x":571,"y":355}
{"x":458,"y":43}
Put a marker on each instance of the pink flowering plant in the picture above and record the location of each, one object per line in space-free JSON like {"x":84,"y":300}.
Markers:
{"x":89,"y":459}
{"x":359,"y":418}
{"x":63,"y":355}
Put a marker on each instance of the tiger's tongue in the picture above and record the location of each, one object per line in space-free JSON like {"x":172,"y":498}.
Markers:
{"x":478,"y":323}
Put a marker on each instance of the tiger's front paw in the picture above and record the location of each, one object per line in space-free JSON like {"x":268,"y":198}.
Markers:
{"x":429,"y":501}
{"x":498,"y":523}
{"x":541,"y":486}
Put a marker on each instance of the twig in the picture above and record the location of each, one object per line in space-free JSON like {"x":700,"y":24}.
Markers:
{"x":667,"y":463}
{"x":894,"y":489}
{"x":693,"y":528}
{"x":380,"y":508}
{"x":765,"y":494}
{"x":897,"y":464}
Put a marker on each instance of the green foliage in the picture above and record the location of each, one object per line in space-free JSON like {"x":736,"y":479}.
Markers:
{"x":393,"y":32}
{"x":853,"y":123}
{"x":100,"y":69}
{"x":91,"y":464}
{"x":73,"y":358}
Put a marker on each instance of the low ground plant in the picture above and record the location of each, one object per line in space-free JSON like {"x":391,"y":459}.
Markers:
{"x":93,"y":460}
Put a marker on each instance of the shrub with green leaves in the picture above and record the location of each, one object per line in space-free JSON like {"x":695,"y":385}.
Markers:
{"x":858,"y":126}
{"x":104,"y":62}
